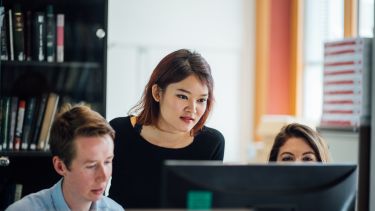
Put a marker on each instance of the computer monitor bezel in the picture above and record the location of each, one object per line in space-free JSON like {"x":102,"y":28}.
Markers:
{"x":288,"y":186}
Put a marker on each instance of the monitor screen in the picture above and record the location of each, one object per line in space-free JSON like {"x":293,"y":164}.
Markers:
{"x":282,"y":187}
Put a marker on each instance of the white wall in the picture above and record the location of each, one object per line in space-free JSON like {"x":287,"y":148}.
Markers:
{"x":142,"y":32}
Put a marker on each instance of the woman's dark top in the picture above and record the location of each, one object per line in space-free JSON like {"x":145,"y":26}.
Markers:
{"x":136,"y":176}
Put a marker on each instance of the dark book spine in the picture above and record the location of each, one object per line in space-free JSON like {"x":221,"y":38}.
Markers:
{"x":13,"y":120}
{"x":61,"y":79}
{"x":18,"y":33}
{"x":10,"y":30}
{"x":4,"y":38}
{"x":38,"y":120}
{"x":5,"y":122}
{"x":28,"y":32}
{"x":50,"y":34}
{"x":29,"y":113}
{"x":1,"y":121}
{"x":81,"y":83}
{"x":39,"y":37}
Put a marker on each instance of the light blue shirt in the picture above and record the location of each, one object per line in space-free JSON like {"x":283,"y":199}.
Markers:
{"x":53,"y":199}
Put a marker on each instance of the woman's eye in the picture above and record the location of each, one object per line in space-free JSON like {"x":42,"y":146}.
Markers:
{"x":308,"y":159}
{"x":182,"y":97}
{"x":203,"y":100}
{"x":289,"y":158}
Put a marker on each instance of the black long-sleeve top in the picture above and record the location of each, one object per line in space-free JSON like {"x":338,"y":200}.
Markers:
{"x":136,"y":175}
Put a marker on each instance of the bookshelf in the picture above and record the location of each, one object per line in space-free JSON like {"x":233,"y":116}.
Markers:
{"x":347,"y":105}
{"x":352,"y":145}
{"x":77,"y":75}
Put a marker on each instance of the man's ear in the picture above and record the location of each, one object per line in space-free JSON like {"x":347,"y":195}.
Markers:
{"x":59,"y":166}
{"x":156,"y":92}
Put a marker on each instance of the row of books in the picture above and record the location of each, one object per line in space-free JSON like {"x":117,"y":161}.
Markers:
{"x":27,"y":35}
{"x":25,"y":123}
{"x":346,"y":83}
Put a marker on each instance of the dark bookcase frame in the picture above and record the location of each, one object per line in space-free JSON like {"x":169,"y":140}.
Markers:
{"x":80,"y":78}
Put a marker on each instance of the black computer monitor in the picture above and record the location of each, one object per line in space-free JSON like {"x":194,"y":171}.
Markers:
{"x":292,"y":186}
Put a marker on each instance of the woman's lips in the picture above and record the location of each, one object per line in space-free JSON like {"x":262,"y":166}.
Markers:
{"x":187,"y":119}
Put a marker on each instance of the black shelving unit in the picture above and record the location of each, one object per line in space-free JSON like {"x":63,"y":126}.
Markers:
{"x":80,"y":78}
{"x":363,"y":139}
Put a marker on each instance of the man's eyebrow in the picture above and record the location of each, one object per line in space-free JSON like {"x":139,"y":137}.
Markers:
{"x":93,"y":161}
{"x":90,"y":161}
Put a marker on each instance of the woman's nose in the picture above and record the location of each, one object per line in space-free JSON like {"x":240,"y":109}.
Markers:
{"x":192,"y":106}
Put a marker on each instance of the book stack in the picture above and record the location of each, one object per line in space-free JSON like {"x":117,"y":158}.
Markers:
{"x":25,"y":124}
{"x":346,"y":83}
{"x":32,"y":35}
